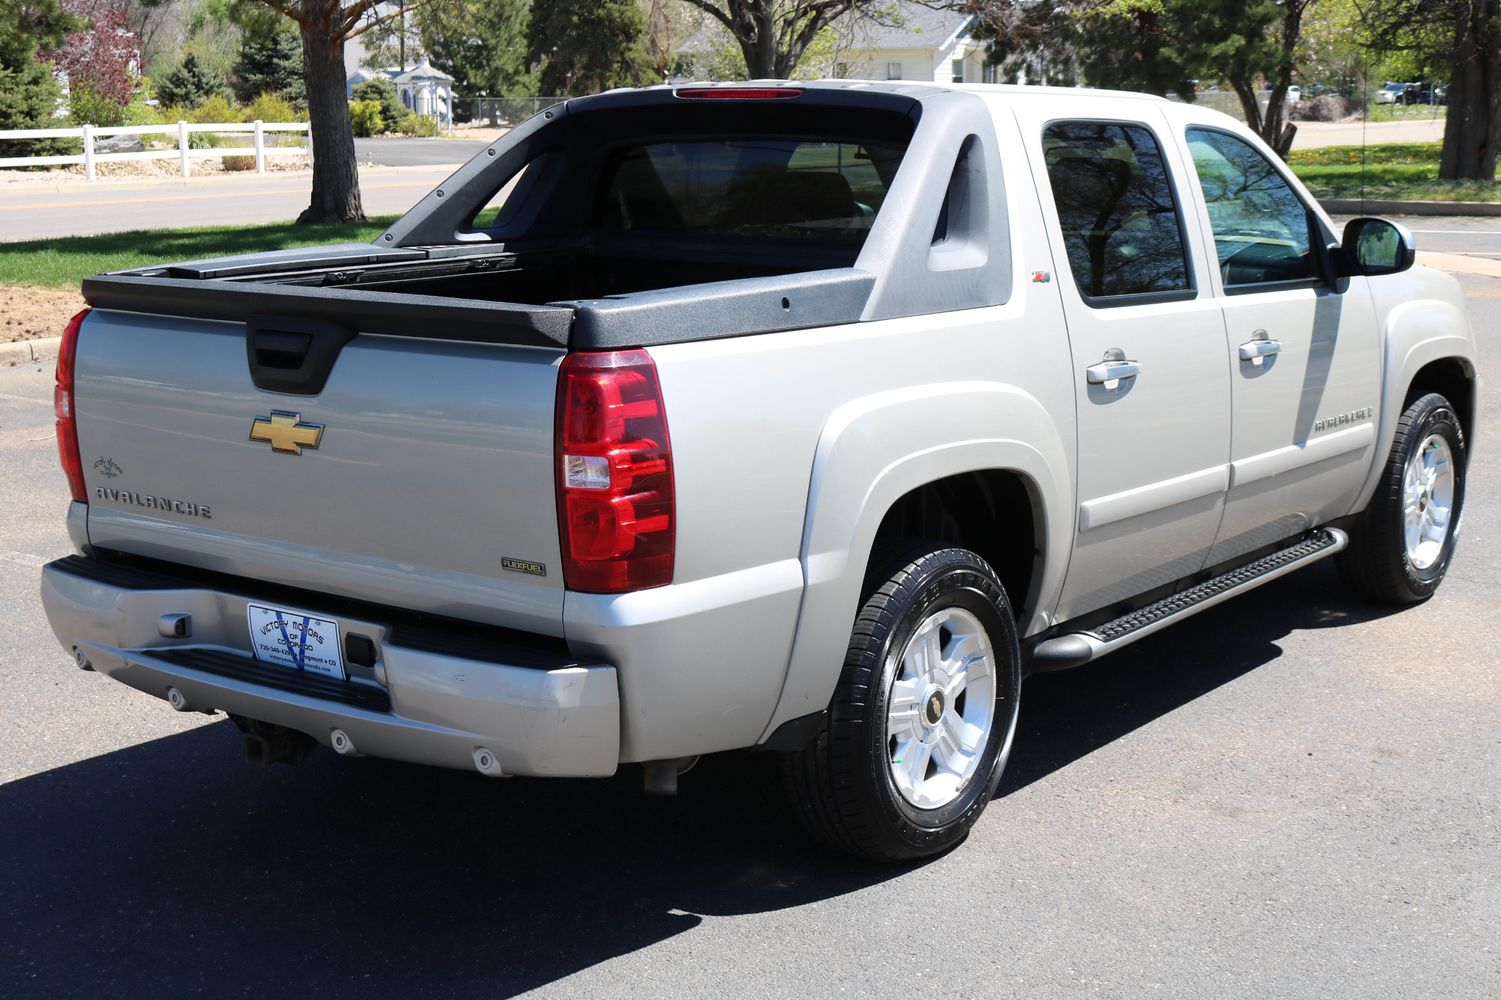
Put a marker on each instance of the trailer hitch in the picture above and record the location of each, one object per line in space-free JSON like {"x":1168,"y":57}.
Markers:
{"x":267,"y":743}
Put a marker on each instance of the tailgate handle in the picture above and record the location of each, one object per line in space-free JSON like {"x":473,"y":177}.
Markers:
{"x":281,"y":348}
{"x":291,"y":354}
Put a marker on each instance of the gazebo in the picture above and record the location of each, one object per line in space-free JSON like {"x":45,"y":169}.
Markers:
{"x":427,"y":91}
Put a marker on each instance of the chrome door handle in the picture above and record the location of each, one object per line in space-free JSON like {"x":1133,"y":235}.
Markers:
{"x":1107,"y":372}
{"x":1259,"y":348}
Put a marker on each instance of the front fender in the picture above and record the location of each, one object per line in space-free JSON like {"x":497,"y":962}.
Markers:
{"x":876,"y":449}
{"x":1425,"y":323}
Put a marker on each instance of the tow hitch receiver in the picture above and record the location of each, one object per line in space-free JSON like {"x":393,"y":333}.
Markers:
{"x":267,"y":743}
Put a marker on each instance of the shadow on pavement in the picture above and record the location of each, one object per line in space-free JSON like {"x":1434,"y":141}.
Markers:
{"x":1070,"y":714}
{"x":173,"y":868}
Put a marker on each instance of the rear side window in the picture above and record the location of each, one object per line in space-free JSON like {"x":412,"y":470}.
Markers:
{"x":785,"y":188}
{"x":1122,"y":228}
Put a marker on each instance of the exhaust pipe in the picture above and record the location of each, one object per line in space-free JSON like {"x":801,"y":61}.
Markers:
{"x":660,"y":777}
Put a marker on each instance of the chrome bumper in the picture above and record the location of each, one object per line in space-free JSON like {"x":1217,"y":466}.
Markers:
{"x":536,"y":713}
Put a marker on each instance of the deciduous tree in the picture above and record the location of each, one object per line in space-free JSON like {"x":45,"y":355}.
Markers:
{"x":773,"y":34}
{"x":325,"y":26}
{"x":1468,"y":33}
{"x":103,"y":56}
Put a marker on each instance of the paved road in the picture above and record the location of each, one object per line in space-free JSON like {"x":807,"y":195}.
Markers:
{"x":392,"y":152}
{"x":1314,"y":134}
{"x":1292,"y":795}
{"x":36,"y":211}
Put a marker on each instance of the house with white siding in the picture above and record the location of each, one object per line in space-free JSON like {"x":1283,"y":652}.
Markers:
{"x":907,"y":41}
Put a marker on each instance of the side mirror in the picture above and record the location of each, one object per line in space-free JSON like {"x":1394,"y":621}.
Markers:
{"x":1376,"y":246}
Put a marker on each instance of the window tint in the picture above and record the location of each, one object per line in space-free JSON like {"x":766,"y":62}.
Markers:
{"x":1261,"y":228}
{"x":764,"y":187}
{"x":1121,"y":225}
{"x":500,"y":208}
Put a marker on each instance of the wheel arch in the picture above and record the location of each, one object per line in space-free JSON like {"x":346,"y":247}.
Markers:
{"x":1423,"y":353}
{"x":988,"y":511}
{"x":878,"y":461}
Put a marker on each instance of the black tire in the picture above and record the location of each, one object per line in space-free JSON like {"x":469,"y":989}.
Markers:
{"x":842,"y":784}
{"x":1377,"y":565}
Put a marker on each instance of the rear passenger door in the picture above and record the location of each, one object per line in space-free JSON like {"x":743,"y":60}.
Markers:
{"x":1303,"y":349}
{"x":1151,"y":379}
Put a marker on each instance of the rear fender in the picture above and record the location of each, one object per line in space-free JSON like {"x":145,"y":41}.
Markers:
{"x":911,"y":437}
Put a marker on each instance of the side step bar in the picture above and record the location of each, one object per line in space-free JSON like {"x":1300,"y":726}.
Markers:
{"x":1078,"y":648}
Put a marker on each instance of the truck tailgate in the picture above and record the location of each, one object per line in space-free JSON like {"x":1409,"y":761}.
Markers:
{"x":430,"y":486}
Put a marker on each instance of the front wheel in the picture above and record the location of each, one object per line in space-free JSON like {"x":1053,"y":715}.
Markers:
{"x":922,"y":719}
{"x":1400,"y":547}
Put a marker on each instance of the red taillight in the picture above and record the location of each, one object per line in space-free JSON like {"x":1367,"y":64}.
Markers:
{"x":616,"y":508}
{"x":738,"y":93}
{"x":62,"y":403}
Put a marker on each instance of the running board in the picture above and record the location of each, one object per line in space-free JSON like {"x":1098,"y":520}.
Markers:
{"x":1078,"y":648}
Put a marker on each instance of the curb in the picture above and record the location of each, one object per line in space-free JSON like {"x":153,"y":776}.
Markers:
{"x":26,"y":351}
{"x":1357,"y":206}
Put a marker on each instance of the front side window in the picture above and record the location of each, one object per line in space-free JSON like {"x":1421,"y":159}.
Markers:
{"x":1121,"y":226}
{"x":1261,"y":228}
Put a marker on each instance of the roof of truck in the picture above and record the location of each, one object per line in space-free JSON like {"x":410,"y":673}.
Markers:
{"x":907,"y":88}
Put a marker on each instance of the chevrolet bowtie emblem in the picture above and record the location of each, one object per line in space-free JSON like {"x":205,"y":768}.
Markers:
{"x":286,"y":432}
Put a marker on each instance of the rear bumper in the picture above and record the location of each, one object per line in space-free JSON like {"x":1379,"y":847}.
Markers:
{"x":431,"y":696}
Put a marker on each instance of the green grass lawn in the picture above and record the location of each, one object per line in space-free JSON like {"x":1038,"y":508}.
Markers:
{"x":1404,"y":112}
{"x":64,"y":262}
{"x":1406,"y":171}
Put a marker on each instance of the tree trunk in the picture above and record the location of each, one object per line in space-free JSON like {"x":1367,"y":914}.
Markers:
{"x":758,"y":41}
{"x":336,"y":178}
{"x":1473,"y":126}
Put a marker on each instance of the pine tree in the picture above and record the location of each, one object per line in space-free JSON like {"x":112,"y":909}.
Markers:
{"x":270,"y":62}
{"x":586,"y":46}
{"x":190,"y":84}
{"x":482,"y":44}
{"x":29,"y":94}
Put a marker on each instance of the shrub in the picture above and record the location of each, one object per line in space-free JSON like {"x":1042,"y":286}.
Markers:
{"x":86,"y":106}
{"x":212,"y":111}
{"x":419,"y":125}
{"x":383,"y":91}
{"x":138,"y":112}
{"x":217,"y":108}
{"x":364,"y":118}
{"x":270,"y":107}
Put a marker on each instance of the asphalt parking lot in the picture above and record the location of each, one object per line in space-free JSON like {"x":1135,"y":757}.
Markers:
{"x":1291,"y":795}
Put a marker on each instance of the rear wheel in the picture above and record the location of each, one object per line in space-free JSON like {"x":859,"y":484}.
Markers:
{"x":923,"y":716}
{"x":1401,"y":546}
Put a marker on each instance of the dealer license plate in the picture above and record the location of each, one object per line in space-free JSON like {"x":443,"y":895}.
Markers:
{"x":296,"y":639}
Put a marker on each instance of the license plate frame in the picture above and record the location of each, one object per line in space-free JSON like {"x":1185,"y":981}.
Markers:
{"x":297,"y":640}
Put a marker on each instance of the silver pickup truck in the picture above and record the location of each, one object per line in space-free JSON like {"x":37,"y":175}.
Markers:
{"x":805,"y":417}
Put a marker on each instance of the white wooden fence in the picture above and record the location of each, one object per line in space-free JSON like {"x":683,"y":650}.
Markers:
{"x":183,"y":153}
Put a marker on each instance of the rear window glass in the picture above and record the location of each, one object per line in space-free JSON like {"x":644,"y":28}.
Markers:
{"x":1120,"y":221}
{"x":785,"y":188}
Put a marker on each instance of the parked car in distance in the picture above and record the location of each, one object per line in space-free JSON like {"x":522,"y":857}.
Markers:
{"x":1392,"y":93}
